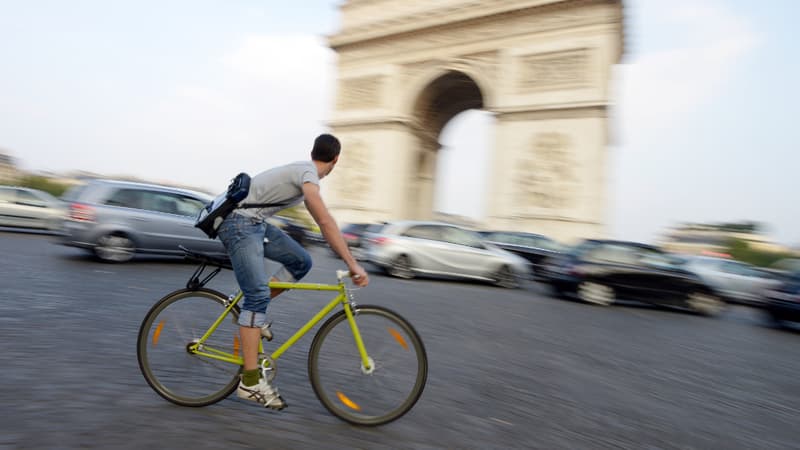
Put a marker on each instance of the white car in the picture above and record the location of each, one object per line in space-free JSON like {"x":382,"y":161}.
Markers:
{"x":30,"y":208}
{"x":735,"y":280}
{"x":410,"y":248}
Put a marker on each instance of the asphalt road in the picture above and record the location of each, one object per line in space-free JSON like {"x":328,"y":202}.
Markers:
{"x":508,"y":368}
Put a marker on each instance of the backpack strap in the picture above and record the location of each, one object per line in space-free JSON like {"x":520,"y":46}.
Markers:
{"x":260,"y":205}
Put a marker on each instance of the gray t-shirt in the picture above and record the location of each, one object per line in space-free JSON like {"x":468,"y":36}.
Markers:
{"x":283,"y":184}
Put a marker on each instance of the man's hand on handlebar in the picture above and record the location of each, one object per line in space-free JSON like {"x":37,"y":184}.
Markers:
{"x":359,"y":275}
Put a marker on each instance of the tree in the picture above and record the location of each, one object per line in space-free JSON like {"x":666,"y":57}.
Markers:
{"x":740,"y":227}
{"x":43,"y":184}
{"x":740,"y":250}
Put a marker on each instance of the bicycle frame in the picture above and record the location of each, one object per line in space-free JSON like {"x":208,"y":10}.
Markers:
{"x":343,"y":298}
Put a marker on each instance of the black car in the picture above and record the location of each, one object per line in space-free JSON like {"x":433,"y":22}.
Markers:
{"x":604,"y":271}
{"x":783,"y":303}
{"x":536,"y":248}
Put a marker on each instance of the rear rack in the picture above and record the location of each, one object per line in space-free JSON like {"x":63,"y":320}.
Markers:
{"x":198,"y":279}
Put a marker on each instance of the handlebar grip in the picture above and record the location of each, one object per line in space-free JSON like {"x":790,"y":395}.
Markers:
{"x":343,"y":274}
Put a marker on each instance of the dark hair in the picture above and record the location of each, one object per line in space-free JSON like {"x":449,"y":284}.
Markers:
{"x":326,"y":148}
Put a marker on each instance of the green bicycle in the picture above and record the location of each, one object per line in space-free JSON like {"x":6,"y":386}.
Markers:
{"x":367,"y":365}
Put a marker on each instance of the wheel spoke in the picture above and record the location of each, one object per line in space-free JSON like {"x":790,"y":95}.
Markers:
{"x":704,"y":303}
{"x":115,"y":248}
{"x":595,"y":293}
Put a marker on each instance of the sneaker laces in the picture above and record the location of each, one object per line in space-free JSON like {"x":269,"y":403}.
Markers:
{"x":269,"y":389}
{"x":263,"y":391}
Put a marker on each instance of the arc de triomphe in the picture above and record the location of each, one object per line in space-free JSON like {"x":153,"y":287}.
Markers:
{"x":542,"y":67}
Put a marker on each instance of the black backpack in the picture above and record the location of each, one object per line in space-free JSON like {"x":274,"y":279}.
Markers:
{"x":212,"y":215}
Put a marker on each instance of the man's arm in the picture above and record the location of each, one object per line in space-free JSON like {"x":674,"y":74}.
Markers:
{"x":330,"y":231}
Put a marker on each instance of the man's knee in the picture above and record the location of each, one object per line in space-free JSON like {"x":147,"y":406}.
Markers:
{"x":304,"y":266}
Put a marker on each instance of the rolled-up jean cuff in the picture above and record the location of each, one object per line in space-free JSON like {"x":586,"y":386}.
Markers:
{"x":252,"y":319}
{"x":284,"y":275}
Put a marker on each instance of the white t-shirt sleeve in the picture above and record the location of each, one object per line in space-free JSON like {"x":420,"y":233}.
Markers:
{"x":309,"y":176}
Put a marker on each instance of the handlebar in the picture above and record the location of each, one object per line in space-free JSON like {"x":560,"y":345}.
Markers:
{"x":341,"y":274}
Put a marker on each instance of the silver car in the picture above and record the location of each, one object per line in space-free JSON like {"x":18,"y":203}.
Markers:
{"x":735,"y":280}
{"x":409,"y":248}
{"x":117,"y":220}
{"x":30,"y":208}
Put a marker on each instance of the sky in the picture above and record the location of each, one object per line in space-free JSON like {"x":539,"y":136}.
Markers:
{"x":192,"y":91}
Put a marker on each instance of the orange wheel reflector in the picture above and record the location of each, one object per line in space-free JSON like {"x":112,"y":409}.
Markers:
{"x":398,"y":337}
{"x":347,"y":402}
{"x":157,"y":333}
{"x":236,"y":345}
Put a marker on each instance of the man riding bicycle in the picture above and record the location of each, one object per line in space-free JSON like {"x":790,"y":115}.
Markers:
{"x":249,"y":238}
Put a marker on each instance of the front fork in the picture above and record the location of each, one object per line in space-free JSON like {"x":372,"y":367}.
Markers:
{"x":351,"y":311}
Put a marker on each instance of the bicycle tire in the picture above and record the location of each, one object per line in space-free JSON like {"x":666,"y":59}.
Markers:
{"x":361,"y":398}
{"x":167,"y":330}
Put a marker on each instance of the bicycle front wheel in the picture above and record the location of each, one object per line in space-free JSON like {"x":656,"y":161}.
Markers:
{"x":372,"y":395}
{"x":167,"y":336}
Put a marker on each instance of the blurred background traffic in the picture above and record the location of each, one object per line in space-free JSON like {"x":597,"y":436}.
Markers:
{"x":700,"y":268}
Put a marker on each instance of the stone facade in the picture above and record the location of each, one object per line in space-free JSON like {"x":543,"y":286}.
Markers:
{"x":8,"y":170}
{"x":698,"y":239}
{"x":541,"y":66}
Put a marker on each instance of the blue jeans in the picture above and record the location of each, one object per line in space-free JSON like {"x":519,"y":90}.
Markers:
{"x":243,"y":238}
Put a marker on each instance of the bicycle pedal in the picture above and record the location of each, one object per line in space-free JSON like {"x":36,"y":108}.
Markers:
{"x":266,"y":332}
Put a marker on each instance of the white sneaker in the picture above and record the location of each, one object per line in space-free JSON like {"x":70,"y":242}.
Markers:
{"x":262,"y":393}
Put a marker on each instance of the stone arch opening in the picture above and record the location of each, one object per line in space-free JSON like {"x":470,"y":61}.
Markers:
{"x":437,"y":104}
{"x":444,"y":98}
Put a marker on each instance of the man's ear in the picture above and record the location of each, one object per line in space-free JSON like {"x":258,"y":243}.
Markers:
{"x":335,"y":160}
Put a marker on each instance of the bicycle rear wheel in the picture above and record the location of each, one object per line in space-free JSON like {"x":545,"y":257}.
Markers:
{"x":173,"y":324}
{"x":382,"y":393}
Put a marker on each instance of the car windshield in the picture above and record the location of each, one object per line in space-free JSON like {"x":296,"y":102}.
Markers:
{"x":374,"y":228}
{"x":30,"y":198}
{"x":613,"y":254}
{"x":354,"y":228}
{"x":459,"y":236}
{"x":73,"y":193}
{"x":524,"y":240}
{"x":788,"y":264}
{"x":6,"y":195}
{"x":652,"y":258}
{"x":46,"y":197}
{"x":430,"y":232}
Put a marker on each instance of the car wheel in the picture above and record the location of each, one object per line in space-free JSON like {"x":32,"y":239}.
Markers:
{"x":401,"y":268}
{"x":506,"y":278}
{"x":558,"y":292}
{"x":114,"y":247}
{"x":705,"y":303}
{"x":596,"y":293}
{"x":773,"y":320}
